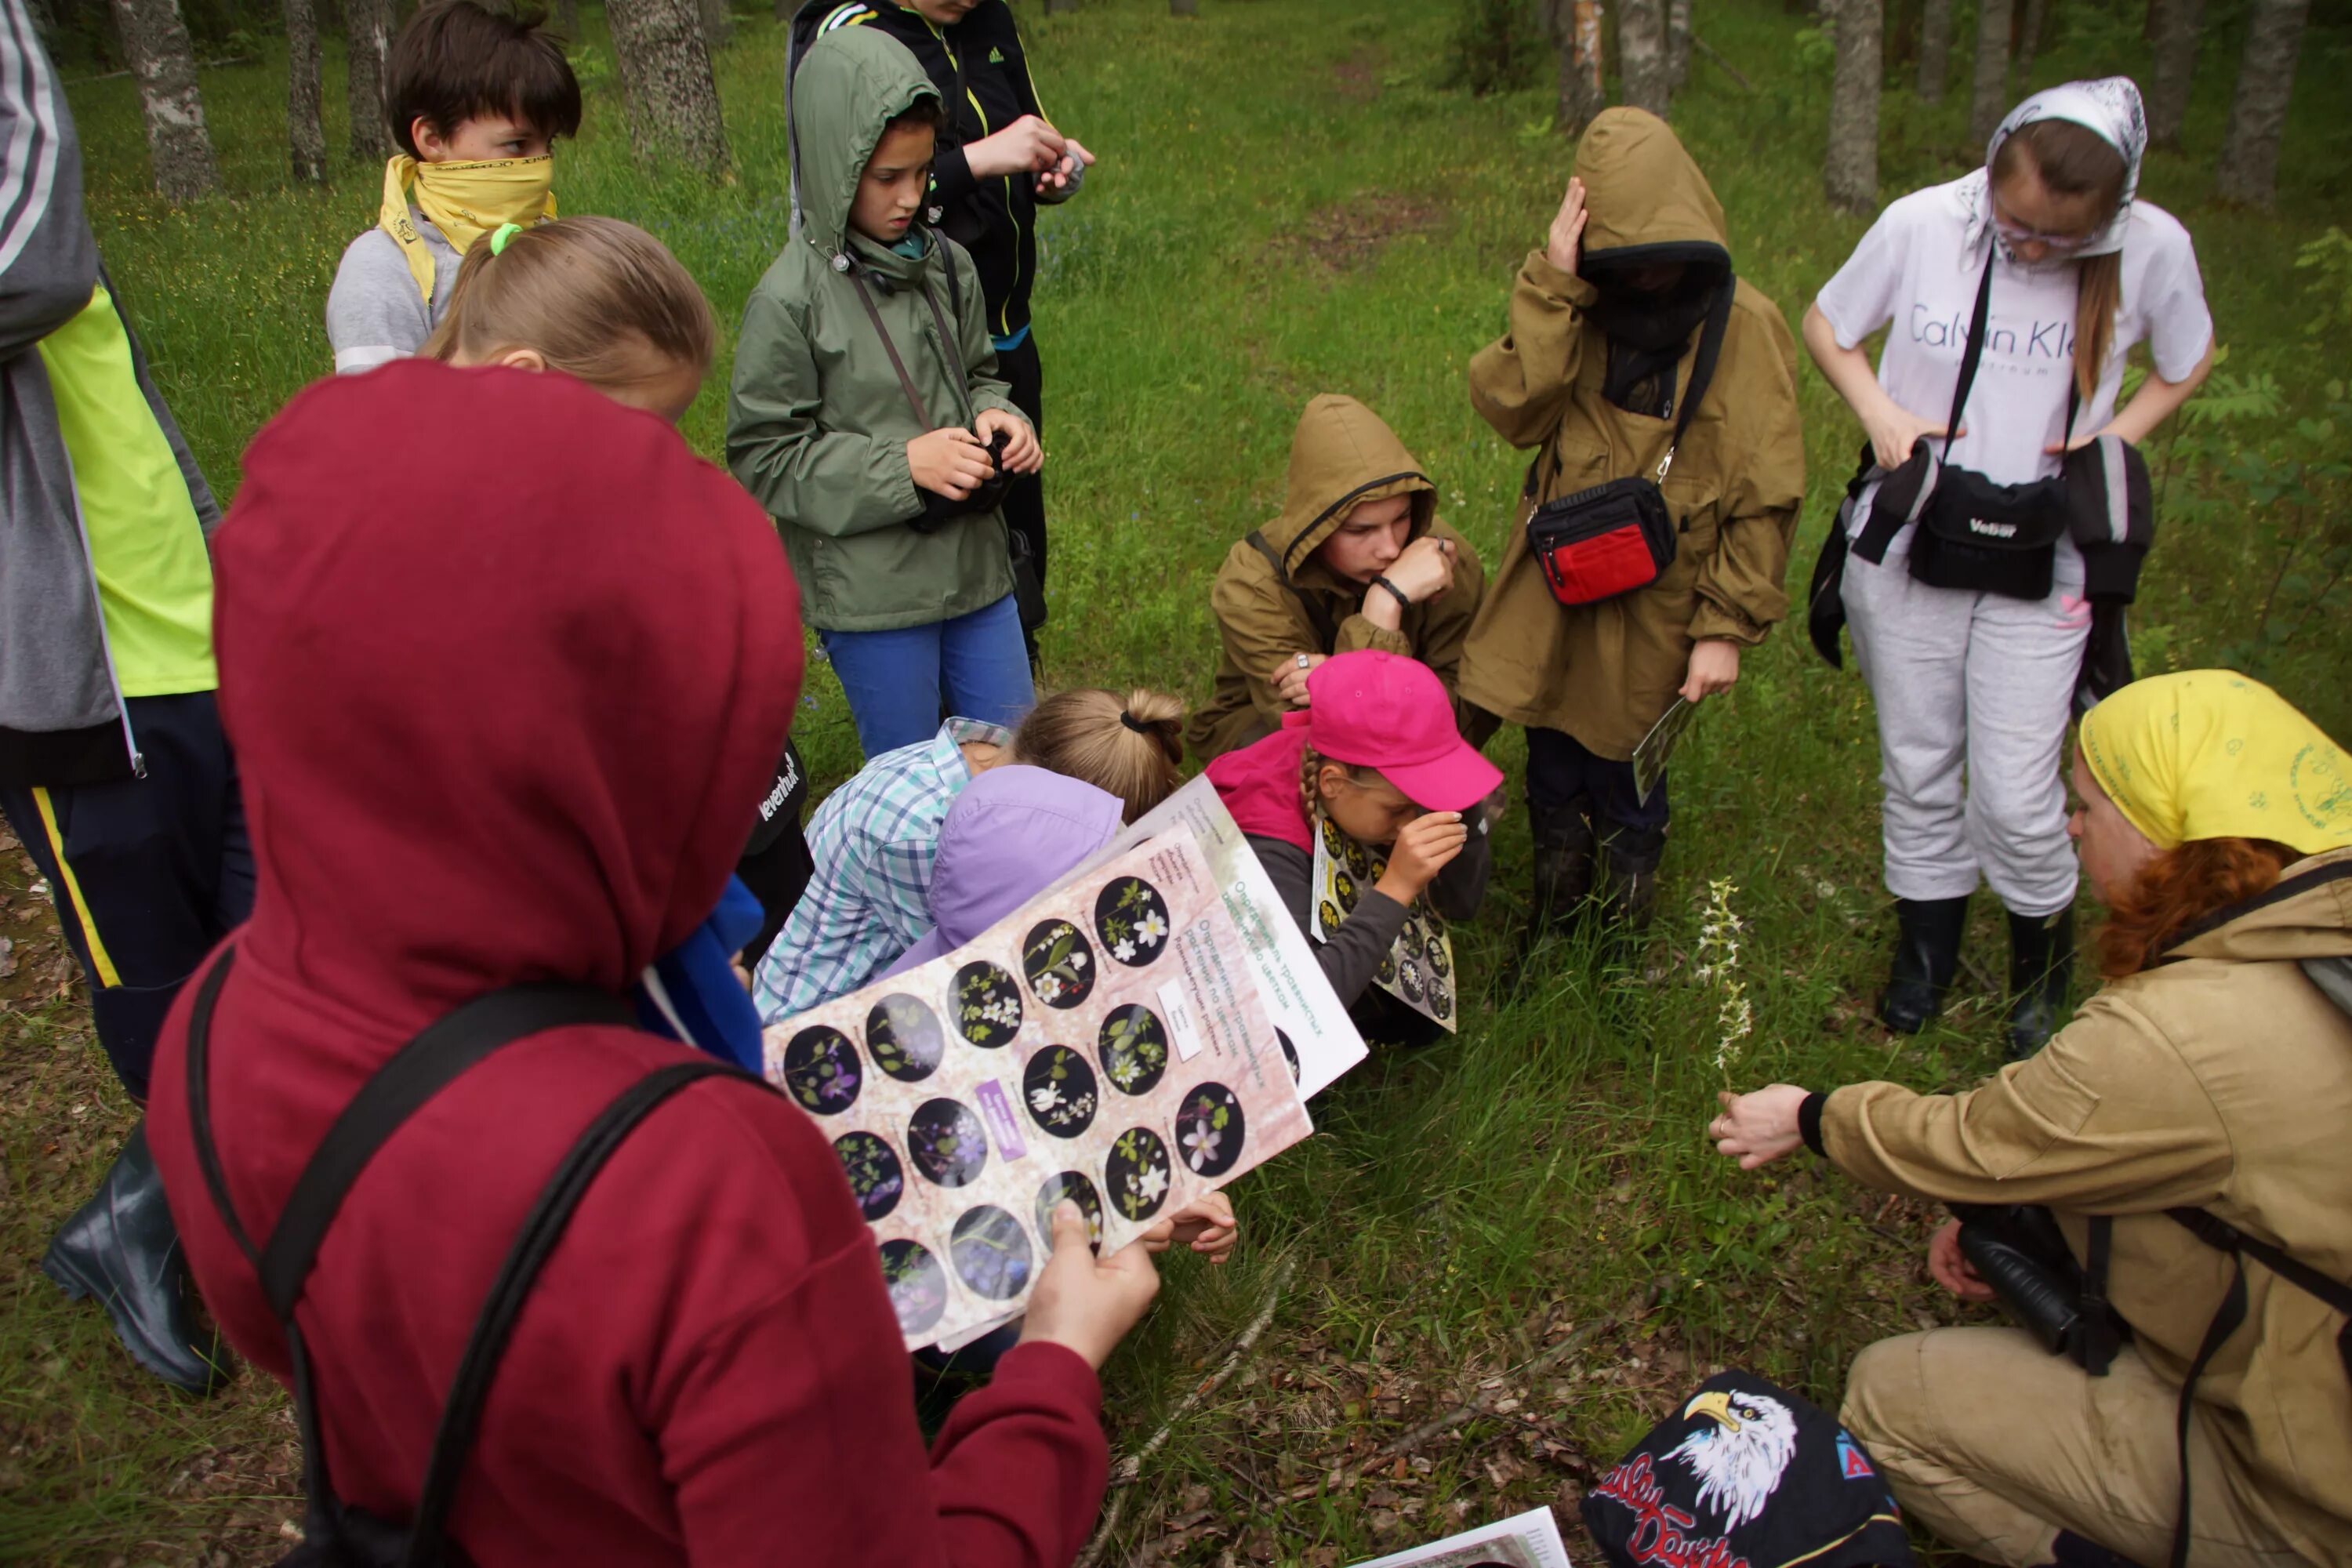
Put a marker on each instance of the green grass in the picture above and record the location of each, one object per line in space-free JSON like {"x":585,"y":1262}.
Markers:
{"x":1286,"y":204}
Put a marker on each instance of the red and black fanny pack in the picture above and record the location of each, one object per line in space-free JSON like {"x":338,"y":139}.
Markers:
{"x":1612,"y":539}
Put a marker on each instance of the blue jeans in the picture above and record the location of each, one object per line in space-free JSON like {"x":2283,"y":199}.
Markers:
{"x":899,"y":683}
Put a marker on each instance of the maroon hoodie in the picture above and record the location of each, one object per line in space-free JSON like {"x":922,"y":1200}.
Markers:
{"x":506,"y":667}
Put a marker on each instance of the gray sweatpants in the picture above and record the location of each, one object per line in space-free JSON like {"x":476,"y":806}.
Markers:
{"x":1973,"y":693}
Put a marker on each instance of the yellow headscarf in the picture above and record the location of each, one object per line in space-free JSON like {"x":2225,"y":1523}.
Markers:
{"x":465,"y":200}
{"x":2209,"y":754}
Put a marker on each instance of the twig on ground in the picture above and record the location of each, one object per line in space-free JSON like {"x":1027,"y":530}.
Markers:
{"x":1128,"y":1470}
{"x":1709,"y":50}
{"x":1347,"y":1476}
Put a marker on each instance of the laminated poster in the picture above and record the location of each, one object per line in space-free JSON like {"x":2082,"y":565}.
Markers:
{"x":1649,"y":756}
{"x":1418,"y":968}
{"x":1531,"y":1539}
{"x":1310,"y":1024}
{"x":1105,"y":1044}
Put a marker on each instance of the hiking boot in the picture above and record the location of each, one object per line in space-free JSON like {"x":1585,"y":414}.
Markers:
{"x":2073,"y":1551}
{"x":1563,"y":864}
{"x":121,"y":1247}
{"x":1926,"y":956}
{"x":1630,"y":859}
{"x":2041,"y":966}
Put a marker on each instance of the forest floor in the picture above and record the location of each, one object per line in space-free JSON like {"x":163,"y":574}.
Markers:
{"x":1291,"y":200}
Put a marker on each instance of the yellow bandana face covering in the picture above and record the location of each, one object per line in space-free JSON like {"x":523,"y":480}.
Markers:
{"x":2206,"y":753}
{"x":465,"y":201}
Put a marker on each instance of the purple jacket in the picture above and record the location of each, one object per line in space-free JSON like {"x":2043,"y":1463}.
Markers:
{"x":1013,"y":833}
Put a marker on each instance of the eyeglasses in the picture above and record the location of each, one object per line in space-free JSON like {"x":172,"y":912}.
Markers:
{"x":2016,"y":233}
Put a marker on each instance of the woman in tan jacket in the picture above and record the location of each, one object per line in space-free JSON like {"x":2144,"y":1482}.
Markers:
{"x":1605,"y":335}
{"x":2210,"y":1080}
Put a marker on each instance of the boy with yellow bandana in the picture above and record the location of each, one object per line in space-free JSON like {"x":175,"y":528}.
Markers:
{"x":475,"y":101}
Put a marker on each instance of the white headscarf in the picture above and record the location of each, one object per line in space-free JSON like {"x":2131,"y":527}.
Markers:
{"x":2109,"y":106}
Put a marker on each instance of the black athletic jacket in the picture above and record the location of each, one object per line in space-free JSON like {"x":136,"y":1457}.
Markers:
{"x":984,"y":79}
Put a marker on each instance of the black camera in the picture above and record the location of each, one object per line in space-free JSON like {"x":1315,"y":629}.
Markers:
{"x":938,"y":509}
{"x":2020,"y":1251}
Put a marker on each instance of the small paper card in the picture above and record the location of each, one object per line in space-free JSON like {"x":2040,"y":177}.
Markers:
{"x":1531,"y":1539}
{"x":1649,"y":756}
{"x":1105,"y":1044}
{"x":1418,"y":970}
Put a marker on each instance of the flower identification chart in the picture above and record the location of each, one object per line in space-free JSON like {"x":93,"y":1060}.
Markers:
{"x":1105,"y":1044}
{"x":1531,"y":1539}
{"x":1418,"y":970}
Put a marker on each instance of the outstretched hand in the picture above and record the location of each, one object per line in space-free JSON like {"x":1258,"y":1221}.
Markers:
{"x":1951,"y":1267}
{"x":1757,"y":1128}
{"x":1206,"y":1224}
{"x":1084,"y":1302}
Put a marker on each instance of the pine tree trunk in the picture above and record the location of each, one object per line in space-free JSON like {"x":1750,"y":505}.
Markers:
{"x":164,"y":63}
{"x":2176,"y":68}
{"x":664,"y":62}
{"x":306,"y":137}
{"x":1053,"y":8}
{"x":1678,"y":44}
{"x":1576,"y":37}
{"x":367,"y":32}
{"x":2029,"y":41}
{"x":567,"y":18}
{"x":1989,"y":98}
{"x":1183,"y":7}
{"x":1641,"y":54}
{"x":716,"y":24}
{"x":1935,"y":50}
{"x":2250,"y":154}
{"x":1851,"y":171}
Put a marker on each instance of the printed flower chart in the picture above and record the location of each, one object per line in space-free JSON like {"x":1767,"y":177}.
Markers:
{"x":1058,"y":1087}
{"x":905,"y":1037}
{"x":1289,"y":1054}
{"x":919,"y":1286}
{"x":821,"y":1070}
{"x":1059,"y":963}
{"x":1134,"y":1050}
{"x":1136,"y":1172}
{"x":1131,"y":917}
{"x":874,"y":1172}
{"x":1343,"y":888}
{"x":1075,"y":1188}
{"x":988,"y":1005}
{"x":1209,"y":1129}
{"x":991,"y":1253}
{"x":949,"y":1147}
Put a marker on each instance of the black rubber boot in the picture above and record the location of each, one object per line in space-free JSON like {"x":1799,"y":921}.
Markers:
{"x":1926,"y":956}
{"x":121,"y":1247}
{"x":1630,"y":857}
{"x":1563,"y":864}
{"x":2041,"y":966}
{"x":2071,"y":1551}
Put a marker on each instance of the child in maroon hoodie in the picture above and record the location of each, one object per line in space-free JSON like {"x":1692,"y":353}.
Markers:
{"x":515,"y":729}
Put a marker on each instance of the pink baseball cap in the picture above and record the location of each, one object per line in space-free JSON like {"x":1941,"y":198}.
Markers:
{"x":1383,"y":710}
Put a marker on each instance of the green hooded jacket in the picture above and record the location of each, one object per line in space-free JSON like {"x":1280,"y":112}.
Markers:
{"x":817,"y":423}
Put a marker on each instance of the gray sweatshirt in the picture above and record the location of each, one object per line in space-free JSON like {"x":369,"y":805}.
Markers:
{"x":62,"y":720}
{"x":375,"y":312}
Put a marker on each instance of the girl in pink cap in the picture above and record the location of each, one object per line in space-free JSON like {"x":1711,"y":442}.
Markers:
{"x":1377,"y":749}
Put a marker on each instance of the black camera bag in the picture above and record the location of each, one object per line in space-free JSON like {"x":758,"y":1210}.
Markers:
{"x":334,"y":1534}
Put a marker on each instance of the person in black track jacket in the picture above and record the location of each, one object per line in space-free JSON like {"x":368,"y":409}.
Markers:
{"x":1000,"y":158}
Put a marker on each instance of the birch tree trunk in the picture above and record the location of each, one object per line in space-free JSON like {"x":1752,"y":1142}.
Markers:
{"x":1851,"y":171}
{"x":2029,"y":41}
{"x":1576,"y":38}
{"x":164,"y":63}
{"x":367,"y":32}
{"x":306,"y":137}
{"x":2176,"y":68}
{"x":2250,"y":154}
{"x":1641,"y":54}
{"x":1678,"y":44}
{"x":1989,"y":97}
{"x":1935,"y":50}
{"x":673,"y":100}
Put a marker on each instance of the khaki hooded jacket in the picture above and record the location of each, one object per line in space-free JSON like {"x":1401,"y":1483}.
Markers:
{"x":2220,"y":1079}
{"x":1343,"y":455}
{"x":1604,"y":673}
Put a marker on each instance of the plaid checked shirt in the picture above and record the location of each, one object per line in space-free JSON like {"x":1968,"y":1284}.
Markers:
{"x":873,"y":841}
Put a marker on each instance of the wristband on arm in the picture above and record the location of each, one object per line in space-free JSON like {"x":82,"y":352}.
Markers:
{"x":1402,"y":602}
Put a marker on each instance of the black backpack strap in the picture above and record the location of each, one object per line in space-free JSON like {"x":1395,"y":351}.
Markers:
{"x":461,"y":1414}
{"x":2100,"y":1340}
{"x":890,"y":347}
{"x":1317,"y":615}
{"x":2225,"y":1322}
{"x":1974,"y":353}
{"x":1710,"y":351}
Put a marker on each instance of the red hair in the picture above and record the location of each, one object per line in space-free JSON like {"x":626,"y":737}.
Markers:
{"x":2182,"y":886}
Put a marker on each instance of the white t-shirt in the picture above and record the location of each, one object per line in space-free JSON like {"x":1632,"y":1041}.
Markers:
{"x":1909,"y":273}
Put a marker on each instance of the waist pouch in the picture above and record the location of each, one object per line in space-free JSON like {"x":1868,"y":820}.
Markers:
{"x":1987,"y":538}
{"x":1616,"y":538}
{"x":1603,"y":541}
